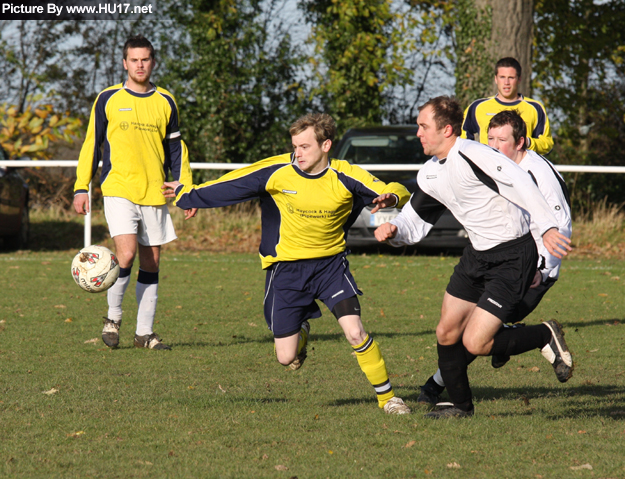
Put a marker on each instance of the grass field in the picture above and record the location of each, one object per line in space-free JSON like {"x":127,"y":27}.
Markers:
{"x":219,"y":404}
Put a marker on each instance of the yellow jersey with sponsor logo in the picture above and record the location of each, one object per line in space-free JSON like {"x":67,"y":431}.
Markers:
{"x":304,"y":216}
{"x":137,"y":138}
{"x":479,"y":113}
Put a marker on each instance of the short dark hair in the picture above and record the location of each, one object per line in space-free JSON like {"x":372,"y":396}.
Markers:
{"x":447,"y":111}
{"x":323,"y":124}
{"x":512,"y":118}
{"x":138,"y":41}
{"x":508,"y":62}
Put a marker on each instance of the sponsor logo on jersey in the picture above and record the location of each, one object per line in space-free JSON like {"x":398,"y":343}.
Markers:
{"x":491,"y":300}
{"x":124,"y":125}
{"x":290,"y":208}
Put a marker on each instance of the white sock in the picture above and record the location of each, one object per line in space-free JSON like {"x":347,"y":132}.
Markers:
{"x":115,"y":296}
{"x":147,"y":297}
{"x":438,"y":379}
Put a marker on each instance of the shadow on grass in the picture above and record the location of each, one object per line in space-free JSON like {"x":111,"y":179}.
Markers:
{"x":584,"y":400}
{"x":596,"y":322}
{"x":63,"y":235}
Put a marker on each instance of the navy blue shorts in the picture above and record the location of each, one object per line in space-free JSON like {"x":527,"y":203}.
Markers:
{"x":291,"y":288}
{"x":497,"y":279}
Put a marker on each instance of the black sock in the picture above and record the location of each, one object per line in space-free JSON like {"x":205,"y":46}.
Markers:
{"x":513,"y":341}
{"x":452,"y":361}
{"x":433,"y":385}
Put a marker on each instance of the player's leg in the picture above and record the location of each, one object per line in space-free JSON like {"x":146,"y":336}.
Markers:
{"x":122,"y":220}
{"x":155,"y":228}
{"x":530,"y":302}
{"x":288,"y":306}
{"x":453,"y":357}
{"x":370,"y":360}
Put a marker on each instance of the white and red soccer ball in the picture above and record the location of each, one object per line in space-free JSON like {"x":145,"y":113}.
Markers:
{"x":95,"y":268}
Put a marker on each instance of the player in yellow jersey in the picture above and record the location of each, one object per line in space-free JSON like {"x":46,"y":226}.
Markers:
{"x":308,"y":203}
{"x":479,"y":113}
{"x":133,"y":130}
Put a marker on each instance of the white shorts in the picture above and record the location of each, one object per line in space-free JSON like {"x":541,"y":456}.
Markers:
{"x":152,"y":224}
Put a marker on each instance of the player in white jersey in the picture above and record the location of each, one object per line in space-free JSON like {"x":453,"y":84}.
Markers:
{"x":507,"y":133}
{"x":493,"y":199}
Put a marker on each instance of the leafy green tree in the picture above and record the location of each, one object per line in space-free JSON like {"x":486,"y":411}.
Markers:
{"x":234,"y":74}
{"x":580,"y":71}
{"x":358,"y":57}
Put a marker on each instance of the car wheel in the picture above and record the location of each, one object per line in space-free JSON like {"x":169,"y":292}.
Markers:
{"x":20,"y":240}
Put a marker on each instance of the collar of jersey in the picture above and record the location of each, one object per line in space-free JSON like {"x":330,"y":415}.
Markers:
{"x":512,"y":103}
{"x":136,"y":93}
{"x":303,"y":174}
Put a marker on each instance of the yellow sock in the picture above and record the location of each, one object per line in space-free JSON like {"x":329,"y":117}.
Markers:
{"x":372,"y":364}
{"x":303,"y":340}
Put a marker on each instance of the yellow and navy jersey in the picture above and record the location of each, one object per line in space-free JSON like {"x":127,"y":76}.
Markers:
{"x":136,"y":136}
{"x":479,"y":113}
{"x":304,"y":216}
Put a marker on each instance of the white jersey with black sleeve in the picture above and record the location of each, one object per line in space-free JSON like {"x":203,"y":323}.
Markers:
{"x":489,"y":194}
{"x":555,"y":192}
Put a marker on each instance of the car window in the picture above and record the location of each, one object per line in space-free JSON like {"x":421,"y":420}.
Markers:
{"x":383,"y":149}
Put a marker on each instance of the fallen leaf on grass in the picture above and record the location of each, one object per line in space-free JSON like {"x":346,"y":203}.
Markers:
{"x":454,"y":465}
{"x":603,"y":295}
{"x":583,"y":466}
{"x":145,"y":463}
{"x":280,"y":467}
{"x":221,"y":389}
{"x":253,"y":325}
{"x":410,"y":443}
{"x":68,"y":320}
{"x":51,"y":391}
{"x":92,"y":341}
{"x":60,"y":306}
{"x":76,"y":434}
{"x":535,"y":369}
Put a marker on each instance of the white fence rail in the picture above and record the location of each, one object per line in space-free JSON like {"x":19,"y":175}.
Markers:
{"x":234,"y":166}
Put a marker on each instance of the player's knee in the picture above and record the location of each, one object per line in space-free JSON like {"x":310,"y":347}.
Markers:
{"x":476,"y":346}
{"x":285,"y":358}
{"x":446,"y":335}
{"x":355,"y":335}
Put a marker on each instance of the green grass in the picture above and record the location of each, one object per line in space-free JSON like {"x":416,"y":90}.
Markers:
{"x":219,"y":404}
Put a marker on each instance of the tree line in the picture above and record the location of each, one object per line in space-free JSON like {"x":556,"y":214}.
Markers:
{"x":243,"y":70}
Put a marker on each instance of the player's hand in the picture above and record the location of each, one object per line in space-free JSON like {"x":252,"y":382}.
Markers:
{"x":556,"y":243}
{"x":385,"y":232}
{"x":190,"y":213}
{"x":169,"y":189}
{"x":81,"y":203}
{"x":384,"y":201}
{"x":538,"y":278}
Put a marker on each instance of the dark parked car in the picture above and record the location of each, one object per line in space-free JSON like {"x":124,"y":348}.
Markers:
{"x":14,"y":221}
{"x":389,"y":145}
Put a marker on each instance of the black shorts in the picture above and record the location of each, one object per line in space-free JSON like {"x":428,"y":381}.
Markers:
{"x":497,"y":279}
{"x":291,"y":288}
{"x":532,"y":299}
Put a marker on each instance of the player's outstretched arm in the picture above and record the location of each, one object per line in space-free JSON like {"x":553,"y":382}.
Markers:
{"x":556,"y":243}
{"x":385,"y":232}
{"x":385,"y":200}
{"x":81,"y":203}
{"x":169,"y":189}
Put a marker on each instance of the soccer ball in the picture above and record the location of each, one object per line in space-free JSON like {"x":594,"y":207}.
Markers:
{"x":95,"y":268}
